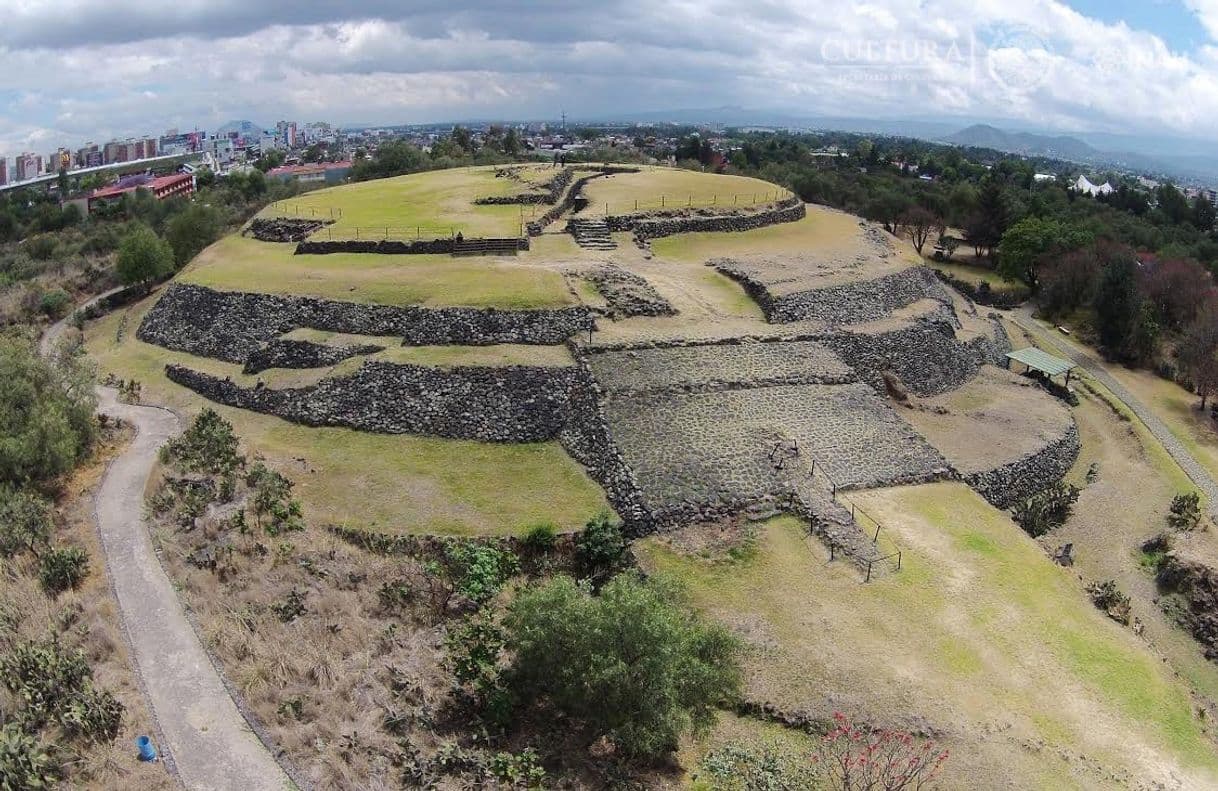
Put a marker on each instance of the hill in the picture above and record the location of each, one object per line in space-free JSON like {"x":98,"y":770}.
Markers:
{"x":1025,"y":143}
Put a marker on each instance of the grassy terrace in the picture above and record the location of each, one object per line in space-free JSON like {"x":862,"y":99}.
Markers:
{"x":678,"y":188}
{"x":436,"y":203}
{"x":393,"y":483}
{"x":237,"y":263}
{"x":979,"y":632}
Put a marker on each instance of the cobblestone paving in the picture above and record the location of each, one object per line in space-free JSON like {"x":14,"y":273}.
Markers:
{"x":710,"y":367}
{"x":1198,"y":474}
{"x":711,"y":450}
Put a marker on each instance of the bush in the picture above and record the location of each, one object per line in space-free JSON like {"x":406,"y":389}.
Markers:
{"x":275,"y":511}
{"x":766,"y":767}
{"x":634,"y":663}
{"x":143,"y":257}
{"x":522,"y":770}
{"x":540,"y":538}
{"x":93,"y":714}
{"x":1107,"y":597}
{"x":24,"y":763}
{"x":1185,"y":511}
{"x":208,"y":446}
{"x":62,"y":568}
{"x":44,"y":676}
{"x":600,"y":548}
{"x":1046,"y":510}
{"x":55,"y":303}
{"x":475,"y":648}
{"x":25,"y":522}
{"x":479,"y":571}
{"x":46,"y":412}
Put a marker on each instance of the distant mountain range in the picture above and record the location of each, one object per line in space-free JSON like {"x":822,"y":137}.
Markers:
{"x":1026,"y":143}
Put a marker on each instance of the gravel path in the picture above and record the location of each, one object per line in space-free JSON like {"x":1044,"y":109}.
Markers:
{"x":206,"y":737}
{"x":1096,"y":368}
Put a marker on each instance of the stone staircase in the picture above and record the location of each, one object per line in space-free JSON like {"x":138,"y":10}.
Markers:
{"x":591,"y":234}
{"x":491,"y":246}
{"x":834,"y":524}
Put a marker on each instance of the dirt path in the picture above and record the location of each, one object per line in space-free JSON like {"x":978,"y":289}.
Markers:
{"x":1094,"y":366}
{"x":207,"y":738}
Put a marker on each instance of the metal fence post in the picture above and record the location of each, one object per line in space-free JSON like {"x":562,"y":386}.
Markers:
{"x":868,"y":572}
{"x":898,"y":560}
{"x":877,"y":534}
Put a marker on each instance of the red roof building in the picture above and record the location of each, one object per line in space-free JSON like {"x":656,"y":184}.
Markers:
{"x":178,"y":185}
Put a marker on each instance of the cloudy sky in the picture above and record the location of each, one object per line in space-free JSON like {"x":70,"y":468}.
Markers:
{"x":77,"y":70}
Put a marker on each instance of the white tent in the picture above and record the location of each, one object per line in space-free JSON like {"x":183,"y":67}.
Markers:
{"x":1084,"y":185}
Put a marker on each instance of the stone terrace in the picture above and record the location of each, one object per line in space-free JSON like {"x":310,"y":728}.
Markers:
{"x":702,"y":454}
{"x":716,"y":367}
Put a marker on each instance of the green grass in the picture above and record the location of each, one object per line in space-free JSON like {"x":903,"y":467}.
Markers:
{"x":236,"y":263}
{"x":433,"y":204}
{"x":390,"y":482}
{"x":978,"y":626}
{"x":670,"y":188}
{"x":977,"y":275}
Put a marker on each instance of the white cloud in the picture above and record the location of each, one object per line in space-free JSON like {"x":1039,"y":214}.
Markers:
{"x":86,"y":69}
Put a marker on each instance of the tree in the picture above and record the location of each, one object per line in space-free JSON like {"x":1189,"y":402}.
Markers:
{"x":985,"y":226}
{"x":143,"y":257}
{"x":1198,"y":351}
{"x":46,"y":412}
{"x":192,"y":229}
{"x":511,"y":142}
{"x":1173,"y":204}
{"x":634,"y":664}
{"x":25,"y":522}
{"x":1203,"y":214}
{"x":920,"y":223}
{"x":1027,"y":244}
{"x":865,"y":759}
{"x":1117,"y":303}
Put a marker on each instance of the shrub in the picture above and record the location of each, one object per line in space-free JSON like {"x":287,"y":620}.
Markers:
{"x":24,"y":763}
{"x":92,"y":714}
{"x":1108,"y":598}
{"x":600,"y":548}
{"x":635,"y":663}
{"x":46,"y":412}
{"x":475,"y":648}
{"x":143,"y":257}
{"x":766,"y":767}
{"x":43,"y":676}
{"x":55,"y":303}
{"x":1046,"y":510}
{"x":292,"y":606}
{"x":853,"y":758}
{"x":208,"y":446}
{"x":272,"y":492}
{"x":1185,"y":511}
{"x":540,"y":538}
{"x":522,"y":770}
{"x":25,"y":522}
{"x":479,"y":571}
{"x":62,"y":568}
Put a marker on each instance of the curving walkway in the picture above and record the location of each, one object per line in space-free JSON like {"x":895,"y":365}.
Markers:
{"x":1084,"y":359}
{"x":209,"y":741}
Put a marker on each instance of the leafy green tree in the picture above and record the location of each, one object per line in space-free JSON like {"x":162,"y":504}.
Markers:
{"x":635,"y":663}
{"x":1118,"y":305}
{"x":143,"y":257}
{"x":1202,"y":214}
{"x":1173,"y":204}
{"x":46,"y":412}
{"x":25,"y":522}
{"x":600,"y":548}
{"x":1026,"y":246}
{"x":208,"y":445}
{"x":192,"y":229}
{"x":1198,"y":351}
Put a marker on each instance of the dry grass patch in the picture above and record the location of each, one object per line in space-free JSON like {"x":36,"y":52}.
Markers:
{"x":673,"y":188}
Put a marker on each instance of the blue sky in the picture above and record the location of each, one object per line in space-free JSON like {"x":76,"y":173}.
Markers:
{"x":78,"y":70}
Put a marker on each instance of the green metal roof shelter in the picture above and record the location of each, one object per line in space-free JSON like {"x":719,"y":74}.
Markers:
{"x":1036,"y":360}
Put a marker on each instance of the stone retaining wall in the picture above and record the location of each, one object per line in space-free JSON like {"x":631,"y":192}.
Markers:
{"x":648,"y":226}
{"x":490,"y":404}
{"x":443,"y":246}
{"x":926,"y":356}
{"x":535,"y":227}
{"x":231,"y":326}
{"x":847,"y":303}
{"x":551,"y":192}
{"x":627,"y":294}
{"x":303,"y":354}
{"x":283,"y":229}
{"x":1006,"y":485}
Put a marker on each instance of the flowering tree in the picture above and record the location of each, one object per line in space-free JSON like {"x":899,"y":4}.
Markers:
{"x":856,"y":759}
